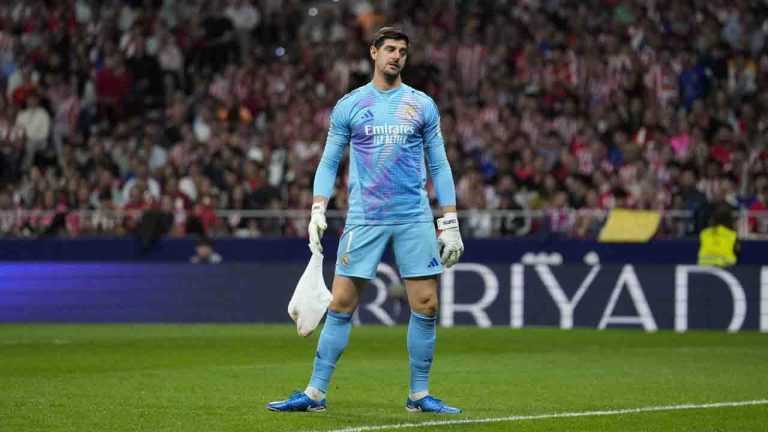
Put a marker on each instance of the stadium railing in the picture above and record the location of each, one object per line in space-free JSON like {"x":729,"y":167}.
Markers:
{"x":570,"y":223}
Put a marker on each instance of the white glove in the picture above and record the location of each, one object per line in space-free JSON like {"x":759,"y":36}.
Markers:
{"x":451,"y":246}
{"x":317,"y":226}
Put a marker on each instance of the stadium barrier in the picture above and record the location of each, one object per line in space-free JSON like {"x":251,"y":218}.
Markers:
{"x":541,"y":249}
{"x":648,"y":297}
{"x":582,"y":223}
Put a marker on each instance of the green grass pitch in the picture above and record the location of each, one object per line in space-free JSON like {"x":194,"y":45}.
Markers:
{"x":219,"y":377}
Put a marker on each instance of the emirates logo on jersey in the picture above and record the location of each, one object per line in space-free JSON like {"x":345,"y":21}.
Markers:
{"x":388,"y":133}
{"x":388,"y":129}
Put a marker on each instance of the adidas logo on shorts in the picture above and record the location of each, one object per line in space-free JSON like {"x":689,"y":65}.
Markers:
{"x":434,"y":263}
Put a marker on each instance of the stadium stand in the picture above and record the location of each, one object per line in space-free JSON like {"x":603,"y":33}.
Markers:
{"x":211,"y":115}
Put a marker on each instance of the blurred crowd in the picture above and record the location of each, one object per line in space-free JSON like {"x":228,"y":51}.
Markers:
{"x":166,"y":111}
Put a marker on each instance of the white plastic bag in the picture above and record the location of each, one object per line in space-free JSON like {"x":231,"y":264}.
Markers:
{"x":311,"y":297}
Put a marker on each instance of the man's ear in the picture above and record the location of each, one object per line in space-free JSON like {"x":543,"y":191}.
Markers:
{"x":373,"y":51}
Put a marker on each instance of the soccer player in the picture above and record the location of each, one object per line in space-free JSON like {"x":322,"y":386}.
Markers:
{"x":389,"y":126}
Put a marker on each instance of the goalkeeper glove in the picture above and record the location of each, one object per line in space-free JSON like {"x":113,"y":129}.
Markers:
{"x":317,"y":226}
{"x":451,"y":246}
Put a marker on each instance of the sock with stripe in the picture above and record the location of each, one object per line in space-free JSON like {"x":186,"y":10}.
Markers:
{"x":333,"y":340}
{"x":421,"y":347}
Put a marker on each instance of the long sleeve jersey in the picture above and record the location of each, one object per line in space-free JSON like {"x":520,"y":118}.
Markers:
{"x":388,"y":133}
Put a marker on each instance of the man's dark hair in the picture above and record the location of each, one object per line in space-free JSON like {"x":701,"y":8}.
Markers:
{"x":723,"y":215}
{"x":204,"y":241}
{"x":393,"y":33}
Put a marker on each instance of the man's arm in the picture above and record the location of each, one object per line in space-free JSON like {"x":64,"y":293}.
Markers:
{"x":442,"y":176}
{"x":325,"y":176}
{"x":439,"y":168}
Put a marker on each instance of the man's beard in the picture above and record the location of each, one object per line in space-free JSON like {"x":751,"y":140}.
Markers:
{"x":389,"y":74}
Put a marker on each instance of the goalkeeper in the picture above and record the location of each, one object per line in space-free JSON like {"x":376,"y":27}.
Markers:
{"x":389,"y":126}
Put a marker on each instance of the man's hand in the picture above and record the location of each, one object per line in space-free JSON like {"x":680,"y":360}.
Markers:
{"x":317,"y":226}
{"x":451,"y":246}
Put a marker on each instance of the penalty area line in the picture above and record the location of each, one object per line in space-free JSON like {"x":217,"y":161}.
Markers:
{"x":552,"y":416}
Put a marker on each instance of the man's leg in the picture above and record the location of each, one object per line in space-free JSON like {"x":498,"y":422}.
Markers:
{"x":335,"y":334}
{"x":360,"y":249}
{"x":333,"y":340}
{"x":417,"y":255}
{"x":422,"y":297}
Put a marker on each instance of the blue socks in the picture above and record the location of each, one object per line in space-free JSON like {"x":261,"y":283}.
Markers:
{"x":335,"y":336}
{"x":421,"y":347}
{"x":333,"y":340}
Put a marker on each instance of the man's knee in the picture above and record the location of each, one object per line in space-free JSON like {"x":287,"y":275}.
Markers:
{"x":422,"y":294}
{"x":424,"y":304}
{"x":340,"y":304}
{"x":346,"y":294}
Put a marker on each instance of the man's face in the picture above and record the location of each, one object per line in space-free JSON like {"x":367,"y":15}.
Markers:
{"x":204,"y":251}
{"x":390,"y":57}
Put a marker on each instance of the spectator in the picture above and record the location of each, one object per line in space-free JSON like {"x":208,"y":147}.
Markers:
{"x":155,"y":222}
{"x":35,"y":121}
{"x":141,"y":176}
{"x":694,"y":200}
{"x":719,"y":245}
{"x":219,"y":37}
{"x":606,"y":106}
{"x":759,"y":224}
{"x":113,"y":85}
{"x":204,"y":253}
{"x":244,"y":17}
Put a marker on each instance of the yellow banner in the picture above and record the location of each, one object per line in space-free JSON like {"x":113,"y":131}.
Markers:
{"x":624,"y":225}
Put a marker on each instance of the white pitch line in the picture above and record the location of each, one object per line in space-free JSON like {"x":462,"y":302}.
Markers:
{"x":552,"y":415}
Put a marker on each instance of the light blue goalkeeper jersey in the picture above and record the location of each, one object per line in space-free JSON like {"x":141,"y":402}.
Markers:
{"x":388,"y":133}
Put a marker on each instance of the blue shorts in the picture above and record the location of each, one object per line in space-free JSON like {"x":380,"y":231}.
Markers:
{"x":414,"y":244}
